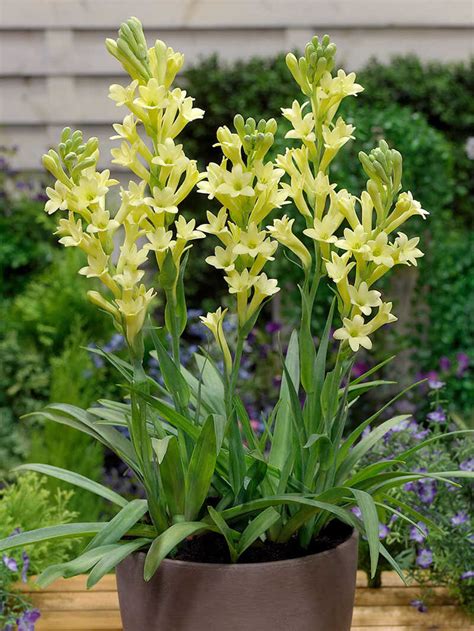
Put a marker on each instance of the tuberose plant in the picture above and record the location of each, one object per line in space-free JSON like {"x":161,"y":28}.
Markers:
{"x":189,"y":439}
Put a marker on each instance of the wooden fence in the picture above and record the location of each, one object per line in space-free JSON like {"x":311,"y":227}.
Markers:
{"x":54,"y":69}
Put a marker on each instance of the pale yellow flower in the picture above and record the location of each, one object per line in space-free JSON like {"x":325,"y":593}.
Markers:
{"x":153,"y":96}
{"x":92,"y":188}
{"x":161,"y":240}
{"x":71,"y":232}
{"x":324,"y":229}
{"x":336,"y":137}
{"x":129,"y":278}
{"x":57,"y":198}
{"x":170,"y":155}
{"x":185,"y":230}
{"x":264,"y":287}
{"x":339,"y":267}
{"x":406,"y":250}
{"x":214,"y":178}
{"x":380,"y":251}
{"x":101,"y":222}
{"x":282,"y":231}
{"x":355,"y":332}
{"x":125,"y":155}
{"x":223,"y":258}
{"x":163,"y":200}
{"x":237,"y":183}
{"x":217,"y":223}
{"x":303,"y":126}
{"x":134,"y":309}
{"x":250,"y":241}
{"x":354,"y":240}
{"x":384,"y":316}
{"x":240,"y":282}
{"x":364,"y":298}
{"x":123,"y":95}
{"x":214,"y":322}
{"x":98,"y":264}
{"x":126,"y":130}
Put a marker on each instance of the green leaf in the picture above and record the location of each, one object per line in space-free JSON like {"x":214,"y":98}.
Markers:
{"x":174,"y":380}
{"x":168,"y":540}
{"x":257,"y":527}
{"x":117,"y":527}
{"x":79,"y":419}
{"x":370,"y":520}
{"x":409,"y":452}
{"x":225,"y":531}
{"x":173,"y":478}
{"x":372,"y":370}
{"x":201,"y":469}
{"x":366,"y":444}
{"x":76,"y":566}
{"x":237,"y":467}
{"x":351,"y":439}
{"x":61,"y":531}
{"x":110,"y":560}
{"x":282,"y":433}
{"x":75,"y":478}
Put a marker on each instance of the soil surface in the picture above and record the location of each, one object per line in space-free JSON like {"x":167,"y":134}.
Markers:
{"x":212,"y":548}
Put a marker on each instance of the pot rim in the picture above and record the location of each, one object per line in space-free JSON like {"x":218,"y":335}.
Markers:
{"x":236,"y":567}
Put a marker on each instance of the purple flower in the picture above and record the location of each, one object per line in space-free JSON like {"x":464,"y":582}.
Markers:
{"x":435,"y":384}
{"x":445,"y":363}
{"x":437,"y":416}
{"x":419,"y":605}
{"x":26,"y":564}
{"x":463,"y":363}
{"x":460,"y":518}
{"x":357,"y":512}
{"x":28,"y":619}
{"x":366,"y":431}
{"x":426,"y":490}
{"x":416,"y":535}
{"x":467,"y":575}
{"x":467,"y":465}
{"x":424,"y":558}
{"x":273,"y":327}
{"x":384,"y":531}
{"x":10,"y":563}
{"x":421,"y":435}
{"x":359,"y":369}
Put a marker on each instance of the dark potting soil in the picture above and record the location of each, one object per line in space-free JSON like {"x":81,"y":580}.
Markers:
{"x":212,"y":548}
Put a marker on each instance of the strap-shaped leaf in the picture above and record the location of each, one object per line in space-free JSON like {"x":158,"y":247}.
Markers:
{"x":225,"y":531}
{"x":201,"y":469}
{"x":282,"y":433}
{"x":174,"y":380}
{"x":366,"y":444}
{"x":110,"y":560}
{"x":257,"y":527}
{"x":76,"y":566}
{"x":117,"y":527}
{"x":75,"y":478}
{"x":172,"y":477}
{"x":168,"y":540}
{"x":61,"y":531}
{"x":370,"y":520}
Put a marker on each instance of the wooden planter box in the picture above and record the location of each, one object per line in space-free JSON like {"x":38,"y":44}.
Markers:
{"x":66,"y":605}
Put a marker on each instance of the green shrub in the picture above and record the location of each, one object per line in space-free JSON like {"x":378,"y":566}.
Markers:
{"x":72,"y":383}
{"x":27,"y":504}
{"x":442,"y":92}
{"x":26,"y":243}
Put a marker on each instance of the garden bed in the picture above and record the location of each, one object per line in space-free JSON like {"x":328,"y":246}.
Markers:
{"x":66,"y":605}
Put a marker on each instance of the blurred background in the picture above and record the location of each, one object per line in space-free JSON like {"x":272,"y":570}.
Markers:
{"x":415,"y":60}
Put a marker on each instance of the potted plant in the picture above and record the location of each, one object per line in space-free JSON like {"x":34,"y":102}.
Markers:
{"x":238,"y":530}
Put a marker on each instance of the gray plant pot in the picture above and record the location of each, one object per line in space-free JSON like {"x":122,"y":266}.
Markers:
{"x":312,"y":593}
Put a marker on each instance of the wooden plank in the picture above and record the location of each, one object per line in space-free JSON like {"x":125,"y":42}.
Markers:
{"x":83,"y":621}
{"x":399,"y":596}
{"x":450,"y":616}
{"x":233,"y":13}
{"x":76,"y":601}
{"x":75,"y":584}
{"x":85,"y":54}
